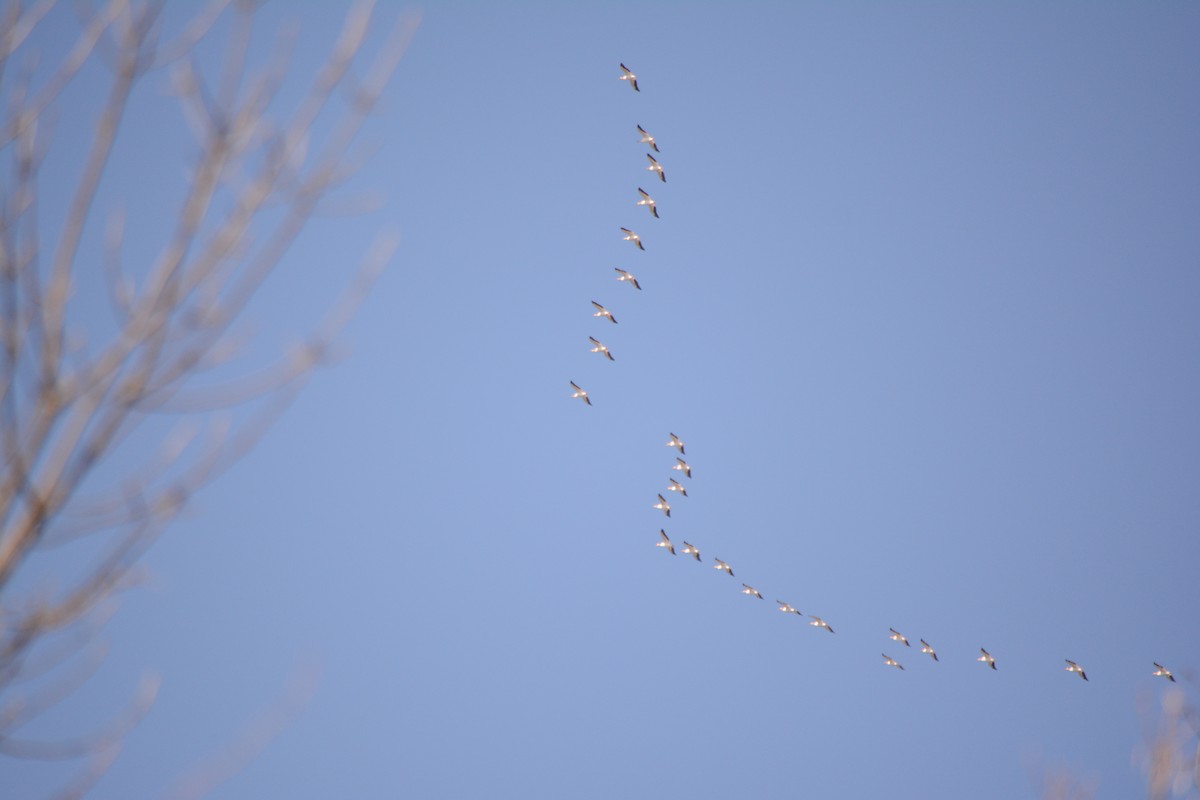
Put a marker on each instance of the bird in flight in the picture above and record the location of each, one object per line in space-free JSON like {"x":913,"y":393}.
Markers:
{"x":987,"y":658}
{"x":663,"y":505}
{"x":925,"y":648}
{"x":1163,"y":672}
{"x":682,"y":466}
{"x":626,"y":75}
{"x":677,"y":443}
{"x":648,"y":202}
{"x":748,"y":589}
{"x":580,"y":393}
{"x":625,"y":276}
{"x":898,"y":637}
{"x":1073,"y":667}
{"x":676,"y":486}
{"x":691,"y":550}
{"x":722,"y":565}
{"x":601,"y":311}
{"x":656,"y":167}
{"x":787,"y":608}
{"x":665,"y":542}
{"x":891,"y":662}
{"x":647,"y":139}
{"x":820,"y":623}
{"x":599,"y":348}
{"x":630,"y":236}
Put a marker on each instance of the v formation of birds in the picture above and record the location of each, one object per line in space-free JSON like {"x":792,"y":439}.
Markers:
{"x":675,"y":487}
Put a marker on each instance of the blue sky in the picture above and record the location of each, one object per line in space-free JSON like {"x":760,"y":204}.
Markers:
{"x":924,"y":304}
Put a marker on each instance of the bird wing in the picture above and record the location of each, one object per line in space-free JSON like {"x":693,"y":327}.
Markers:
{"x":642,"y":192}
{"x":599,"y":307}
{"x":575,"y":386}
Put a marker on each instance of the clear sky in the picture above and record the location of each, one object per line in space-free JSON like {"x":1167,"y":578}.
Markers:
{"x":923,"y":303}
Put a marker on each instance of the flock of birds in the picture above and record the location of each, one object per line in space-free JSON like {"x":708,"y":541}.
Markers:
{"x":682,"y":466}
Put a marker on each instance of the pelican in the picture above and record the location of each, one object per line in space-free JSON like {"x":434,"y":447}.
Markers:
{"x":648,"y":202}
{"x":722,"y":565}
{"x":601,"y":311}
{"x":625,"y":276}
{"x":691,"y":550}
{"x":899,"y":637}
{"x":1073,"y":667}
{"x":656,"y":167}
{"x":647,"y":139}
{"x":1163,"y":672}
{"x":925,"y":648}
{"x":678,"y":443}
{"x":682,"y":466}
{"x":630,"y":236}
{"x":820,"y":623}
{"x":599,"y":348}
{"x":626,"y":75}
{"x":580,"y":393}
{"x":891,"y":662}
{"x":748,"y":589}
{"x":676,"y":486}
{"x":787,"y":608}
{"x":665,"y":542}
{"x":987,"y":658}
{"x":663,"y":505}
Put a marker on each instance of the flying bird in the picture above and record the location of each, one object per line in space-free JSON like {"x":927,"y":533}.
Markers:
{"x":925,"y":648}
{"x":630,"y":236}
{"x":820,"y":623}
{"x":648,"y":202}
{"x":663,"y":505}
{"x":899,"y":637}
{"x":665,"y":542}
{"x":580,"y":393}
{"x":722,"y":565}
{"x":647,"y":139}
{"x":691,"y":550}
{"x":676,"y":486}
{"x":626,"y":75}
{"x":787,"y":608}
{"x":677,"y":443}
{"x":656,"y":167}
{"x":601,"y":311}
{"x":1163,"y":672}
{"x":599,"y":348}
{"x":1073,"y":667}
{"x":891,"y":662}
{"x":682,"y":466}
{"x":625,"y":276}
{"x":747,"y":589}
{"x":987,"y":658}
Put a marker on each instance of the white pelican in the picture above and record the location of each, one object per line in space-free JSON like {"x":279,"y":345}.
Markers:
{"x":676,"y":486}
{"x":580,"y":393}
{"x":648,"y":202}
{"x":787,"y":608}
{"x":1163,"y":672}
{"x":747,"y":589}
{"x":626,"y":75}
{"x":656,"y":167}
{"x":663,"y":505}
{"x":601,"y":311}
{"x":691,"y":550}
{"x":925,"y":648}
{"x":820,"y":623}
{"x":665,"y":542}
{"x":898,"y":637}
{"x":630,"y":236}
{"x":682,"y":466}
{"x":625,"y":276}
{"x":1073,"y":667}
{"x":677,"y":443}
{"x":647,"y":139}
{"x":891,"y":662}
{"x":599,"y":348}
{"x":987,"y":658}
{"x":722,"y":565}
